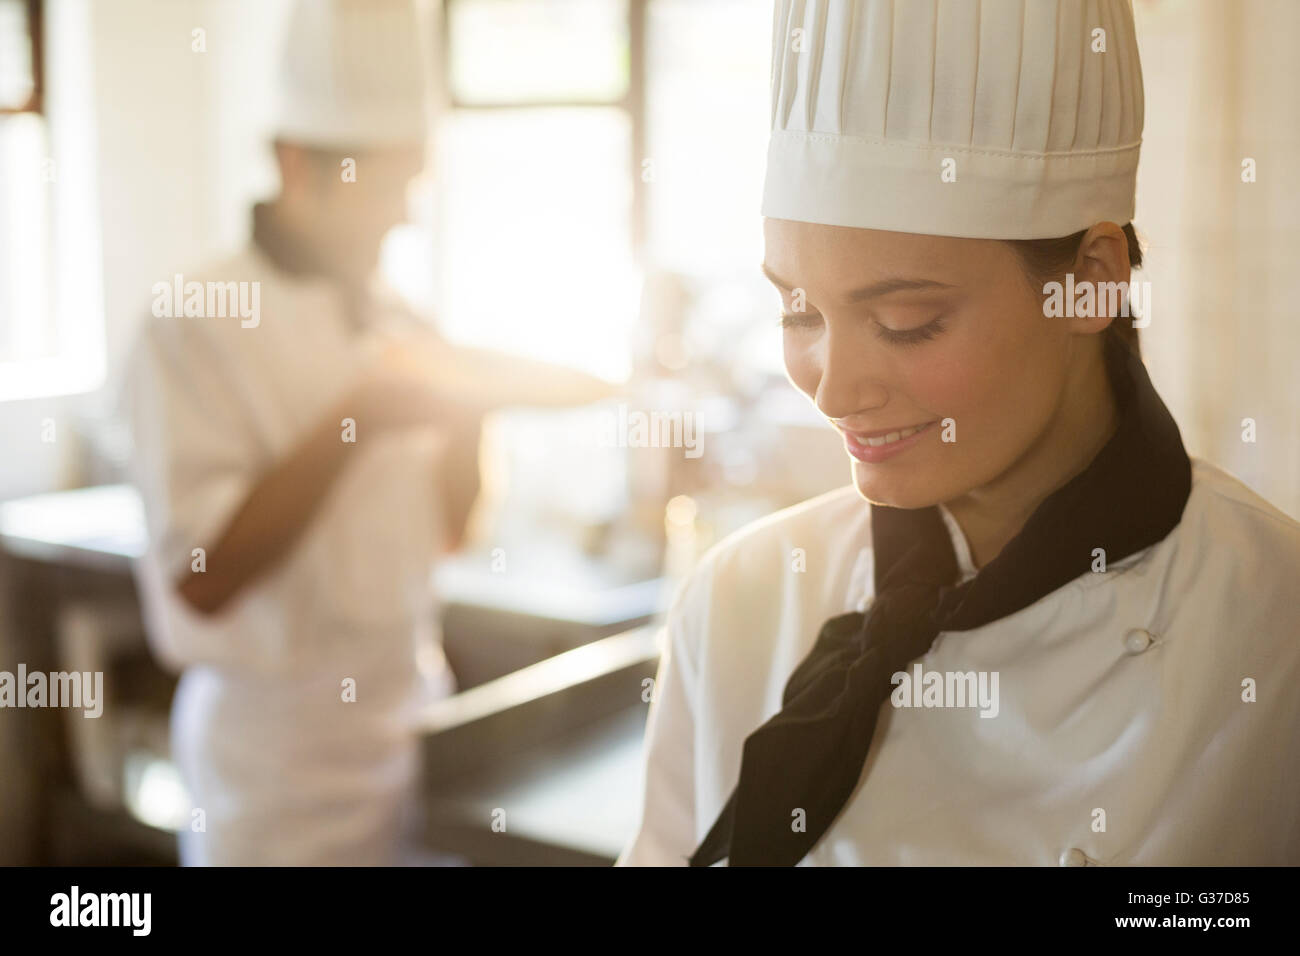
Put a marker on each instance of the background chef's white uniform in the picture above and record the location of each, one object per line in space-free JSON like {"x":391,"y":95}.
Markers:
{"x":283,"y":769}
{"x":1120,"y":691}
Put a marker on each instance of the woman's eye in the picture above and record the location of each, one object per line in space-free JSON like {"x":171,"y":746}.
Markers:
{"x":793,"y":321}
{"x":912,"y":336}
{"x":800,"y":320}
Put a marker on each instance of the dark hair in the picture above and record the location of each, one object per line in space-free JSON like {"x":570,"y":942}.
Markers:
{"x":1048,"y":259}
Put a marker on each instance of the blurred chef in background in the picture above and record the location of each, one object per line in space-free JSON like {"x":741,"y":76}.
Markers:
{"x":303,"y":459}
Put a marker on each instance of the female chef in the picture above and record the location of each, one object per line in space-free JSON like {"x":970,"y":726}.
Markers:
{"x":1046,"y":636}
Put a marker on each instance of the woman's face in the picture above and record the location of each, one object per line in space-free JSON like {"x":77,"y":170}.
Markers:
{"x":900,"y":330}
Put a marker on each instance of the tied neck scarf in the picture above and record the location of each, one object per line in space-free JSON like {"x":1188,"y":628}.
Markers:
{"x":288,"y":253}
{"x":810,"y":755}
{"x":294,"y":257}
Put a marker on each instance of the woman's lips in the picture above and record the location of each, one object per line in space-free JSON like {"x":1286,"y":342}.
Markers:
{"x":862,"y":450}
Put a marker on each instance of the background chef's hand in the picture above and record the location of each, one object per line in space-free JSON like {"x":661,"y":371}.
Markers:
{"x":397,"y":391}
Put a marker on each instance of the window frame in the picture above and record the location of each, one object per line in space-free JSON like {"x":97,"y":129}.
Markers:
{"x":35,"y":32}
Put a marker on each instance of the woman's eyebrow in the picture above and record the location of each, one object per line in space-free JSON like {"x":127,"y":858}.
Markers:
{"x":872,"y":291}
{"x":886,"y":286}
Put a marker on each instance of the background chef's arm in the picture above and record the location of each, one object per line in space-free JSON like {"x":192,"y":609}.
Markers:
{"x":284,"y":500}
{"x":271,"y":518}
{"x":666,"y":836}
{"x":488,"y":380}
{"x":483,"y":380}
{"x":459,"y":480}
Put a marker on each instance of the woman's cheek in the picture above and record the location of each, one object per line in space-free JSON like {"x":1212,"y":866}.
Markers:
{"x":991,"y":391}
{"x":801,"y":364}
{"x":948,"y":383}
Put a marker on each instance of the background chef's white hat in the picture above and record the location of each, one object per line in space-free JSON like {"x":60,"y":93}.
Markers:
{"x":869,"y":97}
{"x":356,"y":73}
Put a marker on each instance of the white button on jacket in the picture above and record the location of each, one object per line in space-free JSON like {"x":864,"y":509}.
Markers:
{"x":1148,"y":715}
{"x":1137,"y":640}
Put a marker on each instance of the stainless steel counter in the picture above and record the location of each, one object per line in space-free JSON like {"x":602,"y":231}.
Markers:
{"x":543,"y":766}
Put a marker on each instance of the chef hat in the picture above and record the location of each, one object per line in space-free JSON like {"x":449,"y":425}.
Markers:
{"x":356,"y":73}
{"x":997,"y":119}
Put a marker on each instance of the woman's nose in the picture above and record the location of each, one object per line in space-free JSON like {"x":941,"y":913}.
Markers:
{"x":850,"y":382}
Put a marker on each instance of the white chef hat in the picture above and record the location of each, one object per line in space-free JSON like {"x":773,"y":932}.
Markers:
{"x":870,"y":97}
{"x":356,"y":73}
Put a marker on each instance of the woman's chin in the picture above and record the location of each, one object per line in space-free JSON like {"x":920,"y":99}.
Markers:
{"x":891,"y":491}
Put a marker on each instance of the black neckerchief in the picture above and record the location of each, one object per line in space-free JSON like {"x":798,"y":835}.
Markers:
{"x":294,"y":257}
{"x":290,"y":254}
{"x":810,"y":755}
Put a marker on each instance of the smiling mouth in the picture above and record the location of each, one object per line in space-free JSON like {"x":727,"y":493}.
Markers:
{"x":891,"y":437}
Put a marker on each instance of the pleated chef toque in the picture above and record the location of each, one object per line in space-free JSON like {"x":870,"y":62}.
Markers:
{"x":870,"y":97}
{"x":356,"y":73}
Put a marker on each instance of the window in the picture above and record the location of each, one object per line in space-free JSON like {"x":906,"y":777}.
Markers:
{"x":51,"y":303}
{"x":708,"y":116}
{"x":591,"y":145}
{"x":538,"y":210}
{"x":24,"y":197}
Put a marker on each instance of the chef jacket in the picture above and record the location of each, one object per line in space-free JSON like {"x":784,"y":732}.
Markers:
{"x":286,"y":770}
{"x":1126,"y":732}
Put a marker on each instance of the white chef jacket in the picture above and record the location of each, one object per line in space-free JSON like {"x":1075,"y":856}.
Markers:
{"x":259,"y":725}
{"x":1119,"y":692}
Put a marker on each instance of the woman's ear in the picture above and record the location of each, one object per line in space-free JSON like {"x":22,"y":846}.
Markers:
{"x":1103,"y":263}
{"x":1103,"y":255}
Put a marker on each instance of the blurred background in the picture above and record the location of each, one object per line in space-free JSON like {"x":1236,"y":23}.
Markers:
{"x":598,"y":168}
